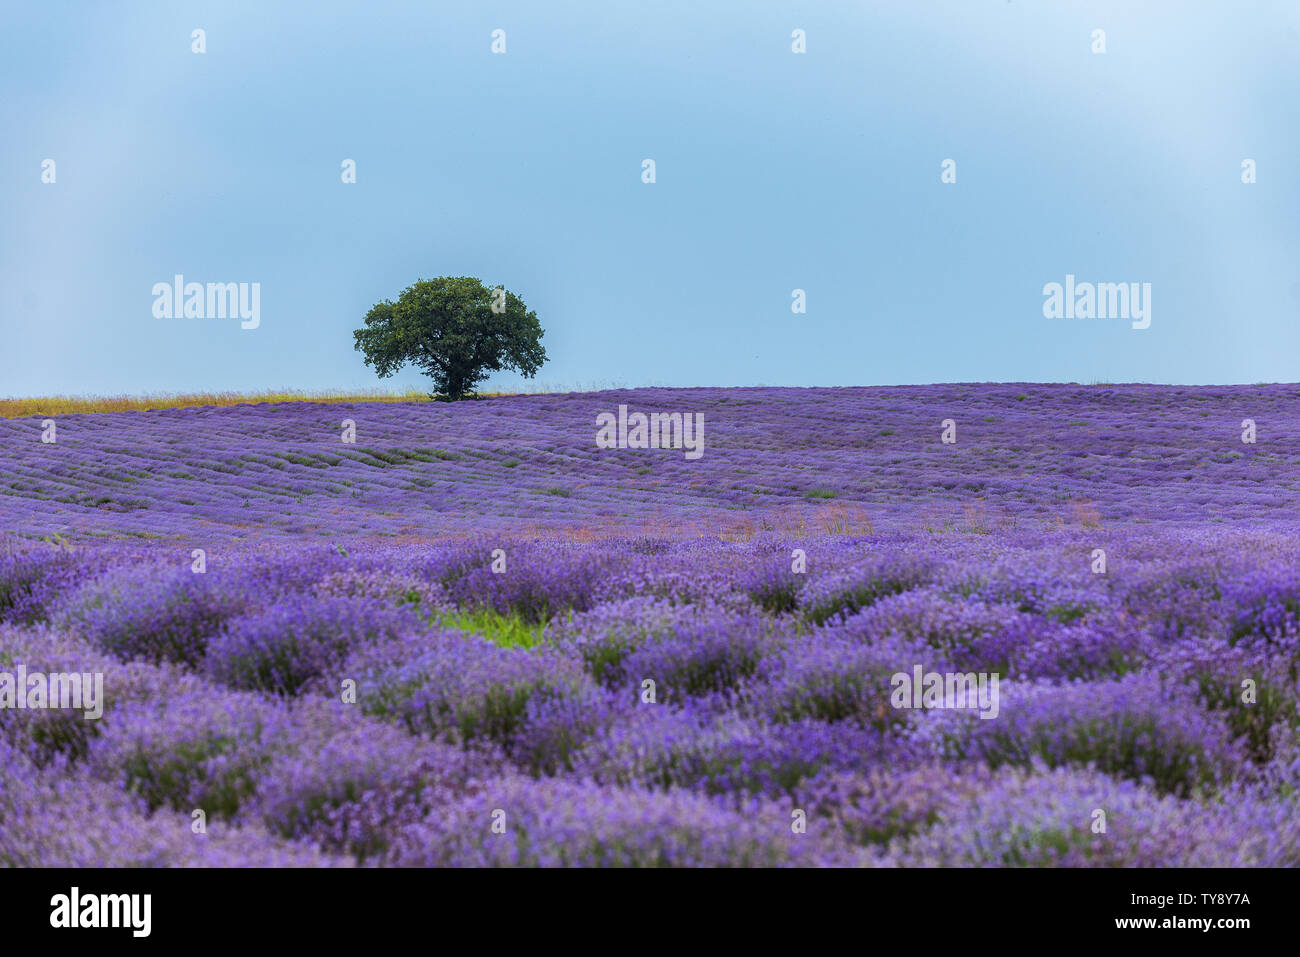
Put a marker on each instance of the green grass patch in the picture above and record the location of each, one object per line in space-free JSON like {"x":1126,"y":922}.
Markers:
{"x":509,"y":631}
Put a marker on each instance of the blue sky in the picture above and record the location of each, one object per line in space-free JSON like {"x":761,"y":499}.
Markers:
{"x":775,"y":171}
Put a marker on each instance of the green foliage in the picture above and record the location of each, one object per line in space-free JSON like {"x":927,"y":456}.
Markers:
{"x":447,"y":328}
{"x":505,"y":630}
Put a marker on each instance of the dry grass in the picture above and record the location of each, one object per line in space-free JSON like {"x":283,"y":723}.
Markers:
{"x":65,"y":404}
{"x":1086,"y":514}
{"x":796,"y":522}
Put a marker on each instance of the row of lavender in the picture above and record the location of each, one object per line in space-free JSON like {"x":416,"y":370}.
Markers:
{"x":1011,"y":454}
{"x":688,"y":702}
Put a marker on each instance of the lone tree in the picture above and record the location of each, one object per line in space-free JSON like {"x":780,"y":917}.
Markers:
{"x":456,"y":331}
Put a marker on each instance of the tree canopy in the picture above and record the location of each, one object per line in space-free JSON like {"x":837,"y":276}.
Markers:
{"x":456,"y":331}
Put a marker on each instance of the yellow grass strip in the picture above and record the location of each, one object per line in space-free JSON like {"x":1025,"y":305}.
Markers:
{"x":65,"y":404}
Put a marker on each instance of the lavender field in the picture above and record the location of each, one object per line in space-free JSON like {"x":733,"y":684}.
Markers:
{"x":472,"y":637}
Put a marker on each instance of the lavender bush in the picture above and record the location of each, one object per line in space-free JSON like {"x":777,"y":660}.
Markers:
{"x":478,"y":640}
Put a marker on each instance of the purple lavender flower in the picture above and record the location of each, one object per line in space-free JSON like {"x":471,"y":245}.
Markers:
{"x":345,"y":792}
{"x":1137,"y":727}
{"x":519,"y":822}
{"x":713,"y":653}
{"x":55,"y":817}
{"x":153,"y":613}
{"x":465,"y":689}
{"x":1266,"y":607}
{"x":723,"y":753}
{"x":1159,"y":686}
{"x":283,"y":648}
{"x":828,"y":677}
{"x":846,"y":591}
{"x":205,"y":750}
{"x":605,"y":635}
{"x":33,"y":578}
{"x":1075,"y":818}
{"x":882,"y":804}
